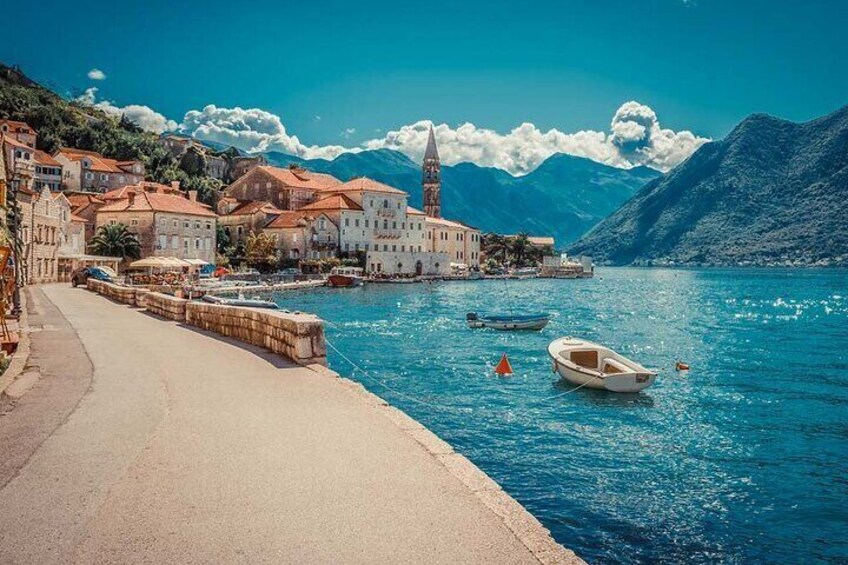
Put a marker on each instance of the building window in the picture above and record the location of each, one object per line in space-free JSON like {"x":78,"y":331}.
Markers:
{"x":347,"y":221}
{"x":163,"y":241}
{"x":89,"y":176}
{"x":356,"y":222}
{"x":207,"y":243}
{"x":133,"y":221}
{"x":366,"y":222}
{"x":385,"y":203}
{"x":208,"y":226}
{"x":197,"y":225}
{"x":104,"y":177}
{"x":175,"y":242}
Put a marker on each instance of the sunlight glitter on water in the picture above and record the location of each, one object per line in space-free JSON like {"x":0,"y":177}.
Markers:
{"x":739,"y":460}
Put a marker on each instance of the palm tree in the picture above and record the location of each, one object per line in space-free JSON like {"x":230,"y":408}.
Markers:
{"x":496,"y":247}
{"x":519,"y":247}
{"x":115,"y":240}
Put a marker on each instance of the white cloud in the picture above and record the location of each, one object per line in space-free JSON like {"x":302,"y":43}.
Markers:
{"x":96,"y":74}
{"x":253,"y":130}
{"x":143,"y":116}
{"x":635,"y":138}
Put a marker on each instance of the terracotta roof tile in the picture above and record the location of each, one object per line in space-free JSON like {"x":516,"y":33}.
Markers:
{"x":43,"y":158}
{"x":365,"y":184}
{"x":287,"y":220}
{"x":157,"y":202}
{"x":301,"y":178}
{"x":333,"y":202}
{"x":410,"y":211}
{"x":249,"y":207}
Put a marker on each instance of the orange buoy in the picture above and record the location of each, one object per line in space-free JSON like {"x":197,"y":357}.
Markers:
{"x":504,"y":368}
{"x":681,"y":366}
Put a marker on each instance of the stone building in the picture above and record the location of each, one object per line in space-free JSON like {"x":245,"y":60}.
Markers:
{"x":241,"y":218}
{"x":19,"y":131}
{"x":304,"y":235}
{"x":461,"y":243}
{"x":44,"y":221}
{"x":48,"y":172}
{"x":216,"y":167}
{"x":242,"y":165}
{"x":84,"y":205}
{"x":92,"y":172}
{"x":287,"y":189}
{"x":431,"y":179}
{"x":166,"y":224}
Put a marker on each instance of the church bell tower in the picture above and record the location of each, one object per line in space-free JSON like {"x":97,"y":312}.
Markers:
{"x":432,"y":179}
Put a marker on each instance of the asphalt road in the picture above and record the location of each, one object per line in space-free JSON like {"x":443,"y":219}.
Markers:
{"x":146,"y":441}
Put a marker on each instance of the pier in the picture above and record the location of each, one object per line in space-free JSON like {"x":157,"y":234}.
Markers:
{"x":147,"y":440}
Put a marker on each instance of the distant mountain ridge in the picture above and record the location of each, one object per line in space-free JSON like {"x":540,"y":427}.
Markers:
{"x":563,"y":197}
{"x":771,"y":192}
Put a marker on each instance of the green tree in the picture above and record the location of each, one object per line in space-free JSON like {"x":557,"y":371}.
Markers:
{"x":193,"y":162}
{"x":519,"y":247}
{"x":115,"y":240}
{"x":222,"y":236}
{"x":261,"y":252}
{"x":496,"y":247}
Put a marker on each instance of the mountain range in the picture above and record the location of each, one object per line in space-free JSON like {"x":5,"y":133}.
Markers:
{"x":773,"y":192}
{"x":564,"y":197}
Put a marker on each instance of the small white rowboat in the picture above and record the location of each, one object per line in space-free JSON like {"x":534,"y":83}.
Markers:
{"x":590,"y":365}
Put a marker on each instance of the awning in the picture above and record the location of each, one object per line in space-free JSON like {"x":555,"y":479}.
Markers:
{"x":197,"y":262}
{"x":160,"y":263}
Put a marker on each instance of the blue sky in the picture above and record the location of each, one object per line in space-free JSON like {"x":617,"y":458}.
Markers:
{"x":369,"y":67}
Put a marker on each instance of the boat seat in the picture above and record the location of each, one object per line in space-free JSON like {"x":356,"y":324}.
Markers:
{"x":612,"y":367}
{"x":588,"y":359}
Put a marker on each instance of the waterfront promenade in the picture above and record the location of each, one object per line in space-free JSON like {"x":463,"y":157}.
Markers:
{"x":145,"y":441}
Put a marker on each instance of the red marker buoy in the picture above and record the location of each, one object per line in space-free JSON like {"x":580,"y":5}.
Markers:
{"x":504,"y":368}
{"x":681,"y":366}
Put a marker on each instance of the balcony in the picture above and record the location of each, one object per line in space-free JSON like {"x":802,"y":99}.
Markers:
{"x":380,"y":233}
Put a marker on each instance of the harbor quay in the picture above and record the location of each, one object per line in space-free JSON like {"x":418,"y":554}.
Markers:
{"x":187,"y":432}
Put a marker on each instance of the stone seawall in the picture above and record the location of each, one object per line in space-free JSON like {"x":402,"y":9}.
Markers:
{"x":166,"y":306}
{"x":300,"y":337}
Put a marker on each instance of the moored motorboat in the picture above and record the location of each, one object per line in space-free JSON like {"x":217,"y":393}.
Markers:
{"x":345,"y":277}
{"x":241,"y":301}
{"x":508,"y":321}
{"x":587,"y":364}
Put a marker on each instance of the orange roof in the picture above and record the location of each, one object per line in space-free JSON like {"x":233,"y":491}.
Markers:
{"x":80,"y":200}
{"x":334,"y":202}
{"x":301,"y":178}
{"x":75,"y":218}
{"x":287,"y":220}
{"x":12,"y":141}
{"x":143,"y":186}
{"x":158,"y":202}
{"x":14,"y":125}
{"x":249,"y":207}
{"x":410,"y":211}
{"x":43,"y":158}
{"x":364,"y":184}
{"x":98,"y":161}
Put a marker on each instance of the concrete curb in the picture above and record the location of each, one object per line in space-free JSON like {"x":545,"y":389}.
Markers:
{"x":524,"y":526}
{"x":21,"y":357}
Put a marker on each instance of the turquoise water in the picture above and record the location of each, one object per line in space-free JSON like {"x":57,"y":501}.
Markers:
{"x":742,"y":460}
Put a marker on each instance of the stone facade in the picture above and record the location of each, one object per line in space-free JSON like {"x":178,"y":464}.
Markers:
{"x":242,"y":165}
{"x":92,"y":172}
{"x":287,"y":189}
{"x":460,"y":242}
{"x":44,"y":222}
{"x":166,"y":225}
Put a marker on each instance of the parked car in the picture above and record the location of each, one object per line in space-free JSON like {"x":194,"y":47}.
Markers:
{"x":81,"y":275}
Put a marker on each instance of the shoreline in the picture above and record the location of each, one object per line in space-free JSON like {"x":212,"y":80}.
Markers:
{"x":528,"y":530}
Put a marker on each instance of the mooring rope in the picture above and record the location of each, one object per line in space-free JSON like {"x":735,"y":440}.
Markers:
{"x":440,"y":407}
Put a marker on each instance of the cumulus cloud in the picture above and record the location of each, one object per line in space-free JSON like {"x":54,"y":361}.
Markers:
{"x":253,"y":130}
{"x":96,"y":74}
{"x":635,"y":138}
{"x":143,"y":116}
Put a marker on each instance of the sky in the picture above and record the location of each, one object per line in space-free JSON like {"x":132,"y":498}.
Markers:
{"x":506,"y":83}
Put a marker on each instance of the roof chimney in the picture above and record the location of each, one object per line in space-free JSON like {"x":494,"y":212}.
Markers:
{"x":192,"y":195}
{"x":131,"y":197}
{"x":175,"y":184}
